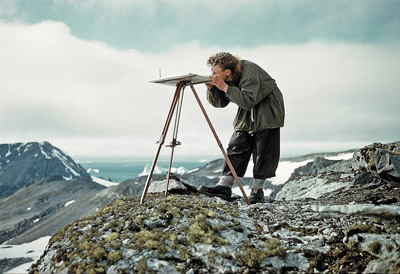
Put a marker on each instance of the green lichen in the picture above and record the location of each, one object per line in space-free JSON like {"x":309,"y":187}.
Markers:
{"x":352,"y":245}
{"x":85,"y":245}
{"x":250,"y":255}
{"x":112,"y":237}
{"x":361,"y":228}
{"x":140,"y":218}
{"x":114,"y":257}
{"x":274,"y":247}
{"x":99,"y":253}
{"x":142,"y":267}
{"x":183,"y":253}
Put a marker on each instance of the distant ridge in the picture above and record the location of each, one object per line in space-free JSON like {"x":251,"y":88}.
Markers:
{"x":22,"y":163}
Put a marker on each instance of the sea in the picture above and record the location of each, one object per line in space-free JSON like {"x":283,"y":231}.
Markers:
{"x":117,"y":170}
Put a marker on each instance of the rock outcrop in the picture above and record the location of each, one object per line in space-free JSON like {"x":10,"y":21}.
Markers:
{"x":343,"y":219}
{"x":312,"y":168}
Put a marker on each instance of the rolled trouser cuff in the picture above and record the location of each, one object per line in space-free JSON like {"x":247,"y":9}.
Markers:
{"x":258,"y":183}
{"x":226,"y":181}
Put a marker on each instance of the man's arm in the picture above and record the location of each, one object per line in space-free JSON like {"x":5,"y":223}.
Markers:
{"x":251,"y":92}
{"x":216,"y":97}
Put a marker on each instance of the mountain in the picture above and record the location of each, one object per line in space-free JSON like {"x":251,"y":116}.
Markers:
{"x":344,"y":218}
{"x":22,"y":163}
{"x":44,"y":206}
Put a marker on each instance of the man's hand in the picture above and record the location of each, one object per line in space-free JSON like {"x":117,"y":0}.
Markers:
{"x":218,"y":82}
{"x":209,"y":85}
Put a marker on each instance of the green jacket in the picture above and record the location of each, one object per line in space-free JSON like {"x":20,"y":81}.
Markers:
{"x":259,"y":99}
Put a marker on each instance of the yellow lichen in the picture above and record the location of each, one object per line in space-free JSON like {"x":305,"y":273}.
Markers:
{"x":112,"y":237}
{"x":274,"y":247}
{"x":142,"y":266}
{"x":114,"y":257}
{"x":250,"y":255}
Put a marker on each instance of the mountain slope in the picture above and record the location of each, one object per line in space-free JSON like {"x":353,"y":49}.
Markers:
{"x":21,"y":163}
{"x":24,"y":212}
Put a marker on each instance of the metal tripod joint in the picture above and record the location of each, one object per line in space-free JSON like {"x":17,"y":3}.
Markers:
{"x":174,"y":143}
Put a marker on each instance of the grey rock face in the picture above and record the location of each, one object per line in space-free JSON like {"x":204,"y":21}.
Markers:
{"x":332,"y":178}
{"x":22,"y":163}
{"x":312,"y":168}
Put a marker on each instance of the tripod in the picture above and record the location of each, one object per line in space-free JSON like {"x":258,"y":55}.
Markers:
{"x":176,"y":104}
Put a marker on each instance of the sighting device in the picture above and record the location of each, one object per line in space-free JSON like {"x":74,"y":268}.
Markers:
{"x":181,"y":82}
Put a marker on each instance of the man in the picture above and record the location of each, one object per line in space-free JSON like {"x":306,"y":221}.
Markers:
{"x":257,"y":123}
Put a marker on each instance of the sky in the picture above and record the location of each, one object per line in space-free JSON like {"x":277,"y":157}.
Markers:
{"x":76,"y":72}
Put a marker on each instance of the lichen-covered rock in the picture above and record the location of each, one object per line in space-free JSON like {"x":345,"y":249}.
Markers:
{"x":363,"y":159}
{"x":343,"y":174}
{"x":176,"y":233}
{"x":343,"y":219}
{"x":199,"y":234}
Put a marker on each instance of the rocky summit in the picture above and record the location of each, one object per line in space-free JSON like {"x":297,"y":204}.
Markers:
{"x":22,"y":163}
{"x":344,"y":219}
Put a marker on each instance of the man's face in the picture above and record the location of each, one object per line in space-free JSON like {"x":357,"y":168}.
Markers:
{"x":224,"y":74}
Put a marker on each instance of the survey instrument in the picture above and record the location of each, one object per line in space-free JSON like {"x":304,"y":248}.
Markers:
{"x":180,"y":82}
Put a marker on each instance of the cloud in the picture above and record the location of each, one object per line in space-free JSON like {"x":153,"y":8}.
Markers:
{"x":156,"y":26}
{"x":90,"y":98}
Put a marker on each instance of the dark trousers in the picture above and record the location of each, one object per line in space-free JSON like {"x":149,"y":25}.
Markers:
{"x":263,"y":145}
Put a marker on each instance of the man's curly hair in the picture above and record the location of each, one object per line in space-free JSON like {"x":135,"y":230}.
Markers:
{"x":226,"y":61}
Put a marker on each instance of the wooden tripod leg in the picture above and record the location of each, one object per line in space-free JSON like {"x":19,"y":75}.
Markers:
{"x":220,"y":145}
{"x":162,"y":139}
{"x":174,"y":142}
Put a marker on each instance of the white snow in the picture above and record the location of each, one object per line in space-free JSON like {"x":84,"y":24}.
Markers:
{"x":69,"y":202}
{"x":283,"y":172}
{"x":27,"y":146}
{"x":343,"y":156}
{"x":95,"y":170}
{"x":193,"y":170}
{"x":286,"y":168}
{"x":31,"y":250}
{"x":103,"y":182}
{"x":161,"y":170}
{"x":9,"y":152}
{"x":43,"y":152}
{"x":65,"y":161}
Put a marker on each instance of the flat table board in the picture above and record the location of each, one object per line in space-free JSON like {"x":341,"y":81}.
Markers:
{"x":191,"y":77}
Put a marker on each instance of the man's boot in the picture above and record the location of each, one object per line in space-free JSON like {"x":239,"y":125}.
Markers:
{"x":223,"y":189}
{"x":256,"y":195}
{"x":223,"y":192}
